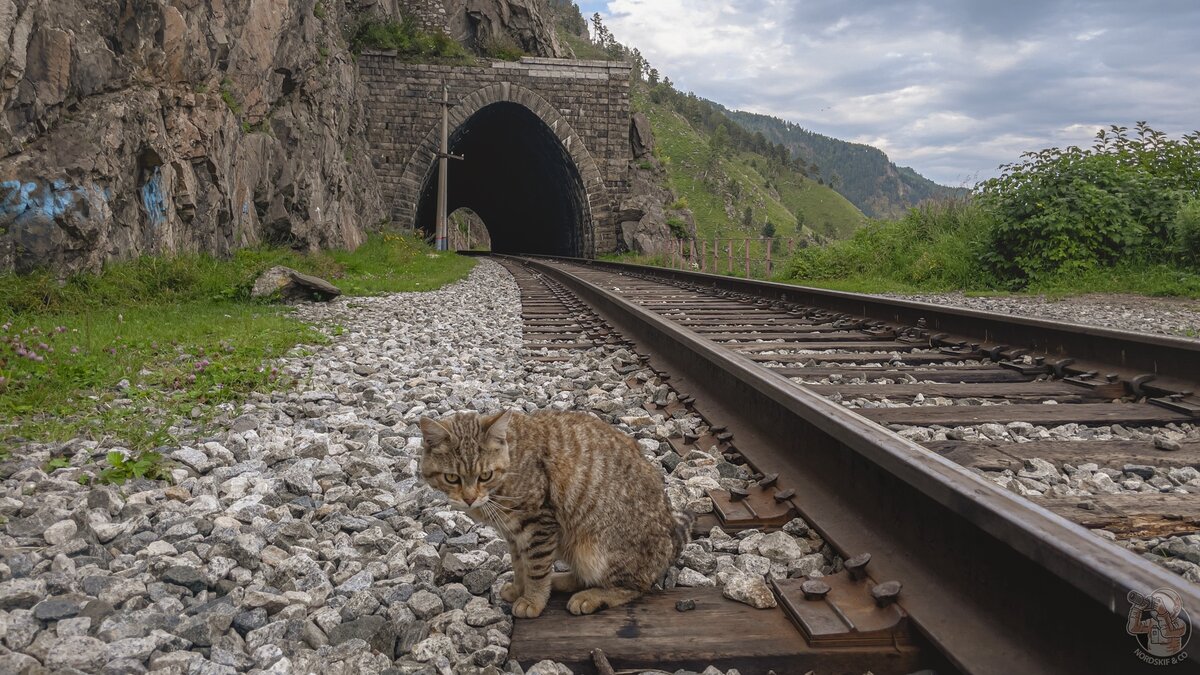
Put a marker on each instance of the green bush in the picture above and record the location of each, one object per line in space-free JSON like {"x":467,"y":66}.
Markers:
{"x":407,"y":39}
{"x":1185,"y":234}
{"x":1066,"y":211}
{"x":678,"y":228}
{"x":935,"y":246}
{"x":502,"y":47}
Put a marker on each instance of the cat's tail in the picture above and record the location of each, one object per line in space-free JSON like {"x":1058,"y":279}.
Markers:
{"x":681,"y":533}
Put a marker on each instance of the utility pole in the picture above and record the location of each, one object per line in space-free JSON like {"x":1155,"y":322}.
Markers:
{"x":443,"y":169}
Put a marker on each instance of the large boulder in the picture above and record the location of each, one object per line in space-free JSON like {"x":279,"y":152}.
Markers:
{"x":293,"y":286}
{"x":641,"y":138}
{"x":649,"y":220}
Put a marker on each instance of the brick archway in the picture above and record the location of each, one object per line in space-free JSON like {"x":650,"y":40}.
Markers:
{"x":420,"y":169}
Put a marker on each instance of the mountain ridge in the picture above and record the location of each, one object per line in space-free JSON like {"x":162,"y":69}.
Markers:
{"x":862,"y":173}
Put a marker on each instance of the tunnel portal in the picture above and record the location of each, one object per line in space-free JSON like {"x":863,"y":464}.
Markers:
{"x":520,"y":180}
{"x":532,"y":131}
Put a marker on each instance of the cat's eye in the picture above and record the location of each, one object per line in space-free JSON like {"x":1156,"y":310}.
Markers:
{"x":486,"y":476}
{"x":451,"y":478}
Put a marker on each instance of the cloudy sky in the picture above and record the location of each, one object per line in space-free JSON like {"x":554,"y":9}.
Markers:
{"x":953,"y":88}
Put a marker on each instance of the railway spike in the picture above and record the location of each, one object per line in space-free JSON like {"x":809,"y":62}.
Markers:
{"x":886,"y":593}
{"x":857,"y":566}
{"x":815,"y":589}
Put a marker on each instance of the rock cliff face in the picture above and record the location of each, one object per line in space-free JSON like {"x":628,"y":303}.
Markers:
{"x":147,"y":126}
{"x":649,"y":222}
{"x":132,"y":127}
{"x":528,"y":24}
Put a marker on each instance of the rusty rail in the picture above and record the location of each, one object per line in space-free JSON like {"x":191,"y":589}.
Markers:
{"x":997,"y":583}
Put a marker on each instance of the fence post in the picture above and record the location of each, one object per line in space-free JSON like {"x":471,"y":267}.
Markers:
{"x":703,"y":255}
{"x":729,"y":255}
{"x":716,"y":256}
{"x":747,"y":257}
{"x":770,"y":241}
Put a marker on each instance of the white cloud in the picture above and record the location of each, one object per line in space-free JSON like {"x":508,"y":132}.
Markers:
{"x":954,"y":88}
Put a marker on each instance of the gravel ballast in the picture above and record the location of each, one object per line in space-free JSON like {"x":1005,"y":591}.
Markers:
{"x":296,"y":537}
{"x":1163,"y":316}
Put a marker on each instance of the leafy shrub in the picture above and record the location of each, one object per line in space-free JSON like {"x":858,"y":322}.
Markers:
{"x":1064,"y":211}
{"x":230,"y":100}
{"x":1185,"y":233}
{"x":406,"y":38}
{"x":144,"y":465}
{"x":502,"y":47}
{"x":678,"y":228}
{"x":937,"y":245}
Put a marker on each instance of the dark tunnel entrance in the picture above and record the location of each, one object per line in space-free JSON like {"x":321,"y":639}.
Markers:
{"x":520,"y":180}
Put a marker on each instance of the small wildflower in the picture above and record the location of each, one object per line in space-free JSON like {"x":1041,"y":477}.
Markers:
{"x":75,"y":349}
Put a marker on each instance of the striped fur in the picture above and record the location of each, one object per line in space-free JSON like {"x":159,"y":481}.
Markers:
{"x":561,"y":486}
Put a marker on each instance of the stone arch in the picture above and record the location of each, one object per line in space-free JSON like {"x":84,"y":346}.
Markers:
{"x":422,"y":164}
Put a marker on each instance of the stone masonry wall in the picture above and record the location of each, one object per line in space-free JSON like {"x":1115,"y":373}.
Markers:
{"x":586,"y":103}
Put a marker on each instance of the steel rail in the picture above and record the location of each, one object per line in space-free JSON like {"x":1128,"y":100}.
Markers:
{"x":997,"y":583}
{"x":1174,"y":361}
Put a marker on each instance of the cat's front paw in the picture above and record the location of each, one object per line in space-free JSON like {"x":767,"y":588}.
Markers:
{"x":527,"y":608}
{"x":585,"y":602}
{"x":510,"y":592}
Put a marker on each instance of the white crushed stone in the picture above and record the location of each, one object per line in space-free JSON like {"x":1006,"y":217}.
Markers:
{"x":1165,"y":316}
{"x":298,"y":538}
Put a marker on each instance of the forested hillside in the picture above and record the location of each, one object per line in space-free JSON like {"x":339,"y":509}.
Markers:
{"x":737,"y":183}
{"x":862,"y":173}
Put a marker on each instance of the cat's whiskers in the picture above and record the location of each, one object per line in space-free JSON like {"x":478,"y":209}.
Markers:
{"x":498,"y":519}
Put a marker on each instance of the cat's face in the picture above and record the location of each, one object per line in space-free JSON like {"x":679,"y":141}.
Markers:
{"x":465,"y":456}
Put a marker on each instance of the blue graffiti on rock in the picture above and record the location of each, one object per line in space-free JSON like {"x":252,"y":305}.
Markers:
{"x":25,"y":201}
{"x":153,"y":198}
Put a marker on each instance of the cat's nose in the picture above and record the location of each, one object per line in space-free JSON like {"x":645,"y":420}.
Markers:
{"x":470,"y":497}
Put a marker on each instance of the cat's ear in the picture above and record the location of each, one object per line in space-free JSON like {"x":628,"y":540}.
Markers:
{"x":435,"y":434}
{"x":497,"y":427}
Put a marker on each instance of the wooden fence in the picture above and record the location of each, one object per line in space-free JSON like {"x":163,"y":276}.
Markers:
{"x":750,"y":257}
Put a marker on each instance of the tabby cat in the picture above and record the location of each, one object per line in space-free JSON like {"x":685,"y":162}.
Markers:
{"x":561,"y":486}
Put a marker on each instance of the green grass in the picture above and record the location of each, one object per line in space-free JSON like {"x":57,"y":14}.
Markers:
{"x":183,"y":332}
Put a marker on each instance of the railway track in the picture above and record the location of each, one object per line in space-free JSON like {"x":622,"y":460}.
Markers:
{"x":802,"y":387}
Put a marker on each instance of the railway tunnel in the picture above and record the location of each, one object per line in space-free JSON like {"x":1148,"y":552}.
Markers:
{"x":518,"y":177}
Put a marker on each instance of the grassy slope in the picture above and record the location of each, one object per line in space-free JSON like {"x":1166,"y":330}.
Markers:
{"x":182,"y":331}
{"x":773,"y":197}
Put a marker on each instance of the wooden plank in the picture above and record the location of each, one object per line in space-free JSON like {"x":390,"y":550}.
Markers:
{"x":1063,"y":392}
{"x":763,"y":329}
{"x":651,"y":634}
{"x":972,"y":372}
{"x":1130,"y":414}
{"x":800,"y":336}
{"x":997,"y":455}
{"x":870,"y":346}
{"x":1131,"y":515}
{"x":716,"y":323}
{"x":911,"y":358}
